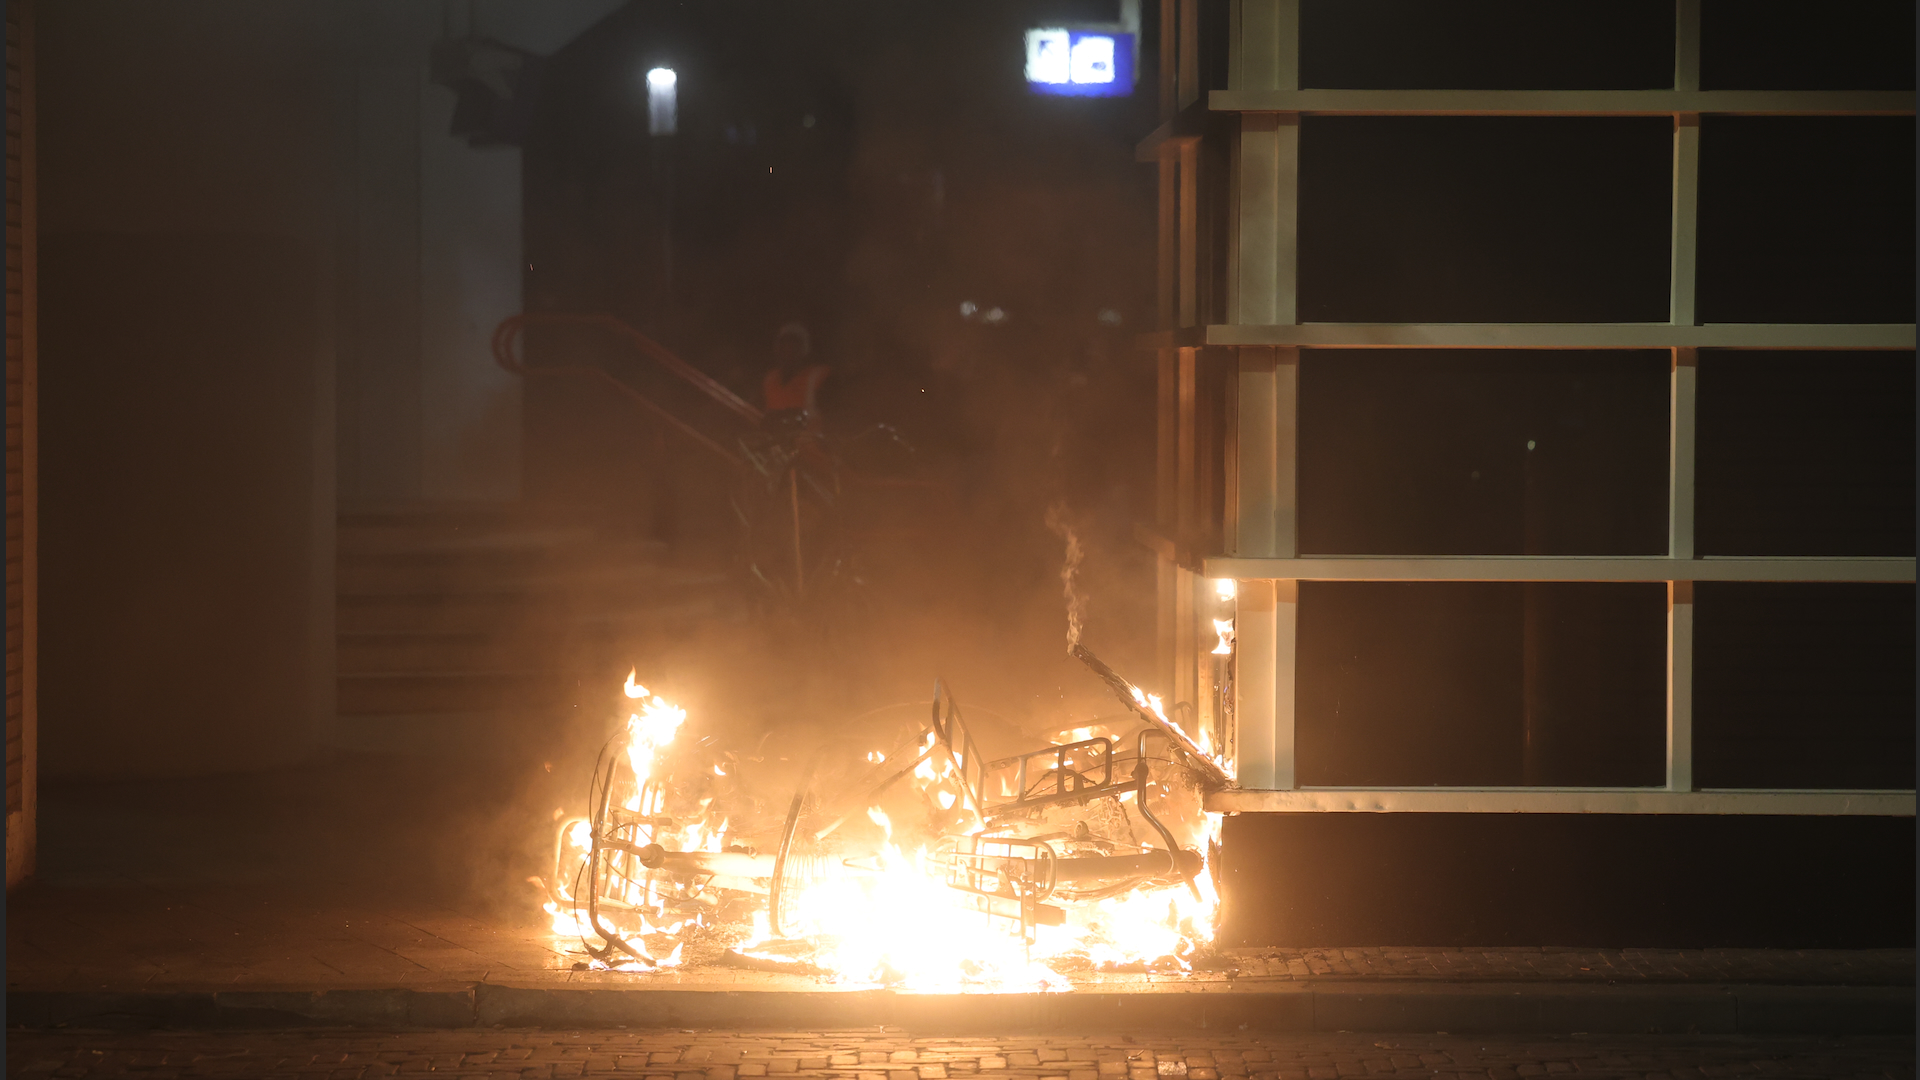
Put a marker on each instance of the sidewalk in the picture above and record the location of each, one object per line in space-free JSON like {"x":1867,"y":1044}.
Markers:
{"x":280,"y":955}
{"x":372,"y":892}
{"x":872,"y":1054}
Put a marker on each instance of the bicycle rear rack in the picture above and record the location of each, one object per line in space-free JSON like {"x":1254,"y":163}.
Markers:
{"x":1007,"y":879}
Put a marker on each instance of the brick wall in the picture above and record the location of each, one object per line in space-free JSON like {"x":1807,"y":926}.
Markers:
{"x":20,"y":442}
{"x":16,"y":442}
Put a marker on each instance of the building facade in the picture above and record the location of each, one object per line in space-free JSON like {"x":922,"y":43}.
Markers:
{"x":1260,"y":463}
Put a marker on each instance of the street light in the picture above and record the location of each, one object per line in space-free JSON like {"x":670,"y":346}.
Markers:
{"x":662,"y":101}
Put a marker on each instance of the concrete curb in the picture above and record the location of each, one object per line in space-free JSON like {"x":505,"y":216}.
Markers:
{"x":1456,"y":1008}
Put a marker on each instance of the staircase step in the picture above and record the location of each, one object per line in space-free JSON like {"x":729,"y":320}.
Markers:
{"x":385,"y":654}
{"x":450,"y":692}
{"x":455,"y":513}
{"x":490,"y":613}
{"x":425,"y":537}
{"x":487,"y":570}
{"x":447,"y":613}
{"x":441,"y":736}
{"x":598,"y":575}
{"x":675,"y":613}
{"x":459,"y":526}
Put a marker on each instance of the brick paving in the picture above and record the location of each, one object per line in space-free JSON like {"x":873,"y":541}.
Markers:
{"x":261,"y":938}
{"x":1833,"y":967}
{"x":892,"y":1054}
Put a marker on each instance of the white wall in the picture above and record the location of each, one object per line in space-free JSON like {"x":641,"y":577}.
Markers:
{"x":437,"y":418}
{"x":470,"y":274}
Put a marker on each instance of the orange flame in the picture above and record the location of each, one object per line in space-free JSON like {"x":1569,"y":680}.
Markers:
{"x":1224,"y":629}
{"x":893,"y":916}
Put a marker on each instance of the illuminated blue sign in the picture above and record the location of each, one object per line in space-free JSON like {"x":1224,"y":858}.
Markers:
{"x":1080,"y":63}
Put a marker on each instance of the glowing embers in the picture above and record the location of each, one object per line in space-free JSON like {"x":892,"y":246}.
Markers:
{"x":918,"y":865}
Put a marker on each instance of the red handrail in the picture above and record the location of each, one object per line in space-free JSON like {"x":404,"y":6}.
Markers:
{"x":510,"y":330}
{"x":511,"y":327}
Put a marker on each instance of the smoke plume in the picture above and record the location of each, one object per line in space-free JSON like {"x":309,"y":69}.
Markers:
{"x":1069,"y":569}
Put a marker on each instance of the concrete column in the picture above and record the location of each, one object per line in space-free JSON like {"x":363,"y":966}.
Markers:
{"x":1679,"y":686}
{"x":470,"y":279}
{"x":380,"y":384}
{"x":1261,"y":290}
{"x":437,"y":252}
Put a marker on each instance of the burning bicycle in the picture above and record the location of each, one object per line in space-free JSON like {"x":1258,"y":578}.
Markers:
{"x":924,"y":865}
